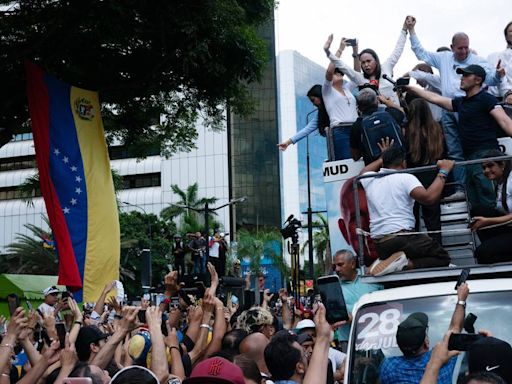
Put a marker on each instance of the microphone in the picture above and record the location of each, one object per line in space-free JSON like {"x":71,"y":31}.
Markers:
{"x":384,"y":76}
{"x":289,"y":218}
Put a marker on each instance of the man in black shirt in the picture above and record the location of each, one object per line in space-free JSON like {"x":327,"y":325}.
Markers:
{"x":368,"y":103}
{"x":479,"y":116}
{"x":179,"y":253}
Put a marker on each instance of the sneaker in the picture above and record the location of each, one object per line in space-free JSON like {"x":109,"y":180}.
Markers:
{"x":459,"y":195}
{"x":396,"y":262}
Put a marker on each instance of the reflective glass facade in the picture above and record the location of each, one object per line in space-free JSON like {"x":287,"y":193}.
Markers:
{"x":254,"y":160}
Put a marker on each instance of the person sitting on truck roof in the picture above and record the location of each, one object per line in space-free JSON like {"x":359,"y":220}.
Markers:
{"x":496,"y":242}
{"x":390,"y":203}
{"x":412,"y":339}
{"x":345,"y":266}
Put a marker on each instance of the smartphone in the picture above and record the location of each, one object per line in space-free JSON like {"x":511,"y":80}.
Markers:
{"x":462,"y":341}
{"x":332,"y":298}
{"x":175,"y":302}
{"x":142,"y":316}
{"x":462,"y":278}
{"x":402,"y":81}
{"x":61,"y":332}
{"x":469,"y":323}
{"x":77,"y":380}
{"x":351,"y":42}
{"x":14,"y":302}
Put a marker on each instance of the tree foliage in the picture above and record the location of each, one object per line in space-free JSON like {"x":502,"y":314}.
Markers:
{"x":254,"y":245}
{"x":190,"y":220}
{"x":148,"y":59}
{"x":135,"y":236}
{"x":321,"y":247}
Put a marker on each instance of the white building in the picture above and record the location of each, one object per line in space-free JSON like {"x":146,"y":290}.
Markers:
{"x":147,"y":181}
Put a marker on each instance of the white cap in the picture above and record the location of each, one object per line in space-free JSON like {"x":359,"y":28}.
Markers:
{"x":306,"y":323}
{"x":50,"y":290}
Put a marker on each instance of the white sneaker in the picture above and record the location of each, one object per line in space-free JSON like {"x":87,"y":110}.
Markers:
{"x":459,"y":195}
{"x":396,"y":262}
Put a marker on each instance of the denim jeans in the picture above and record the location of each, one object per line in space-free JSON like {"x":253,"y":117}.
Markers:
{"x":479,"y":188}
{"x":200,"y":264}
{"x":450,"y":123}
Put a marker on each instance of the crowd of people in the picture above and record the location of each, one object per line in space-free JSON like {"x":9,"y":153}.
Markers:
{"x":205,"y":339}
{"x":456,"y":115}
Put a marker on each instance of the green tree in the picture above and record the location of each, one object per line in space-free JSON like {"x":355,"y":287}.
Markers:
{"x":28,"y":254}
{"x":254,"y":245}
{"x":190,"y":220}
{"x":321,"y":246}
{"x":170,"y":59}
{"x":135,"y":236}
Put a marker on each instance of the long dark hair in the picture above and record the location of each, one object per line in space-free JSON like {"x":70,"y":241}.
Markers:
{"x":424,"y":134}
{"x":323,"y":117}
{"x":378,"y":70}
{"x":506,"y":173}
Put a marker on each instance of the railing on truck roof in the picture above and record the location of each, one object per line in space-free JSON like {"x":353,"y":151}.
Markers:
{"x":426,"y":274}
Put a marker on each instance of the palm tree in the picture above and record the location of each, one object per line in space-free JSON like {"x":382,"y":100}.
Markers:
{"x":191,"y":221}
{"x":254,"y":245}
{"x":31,"y":254}
{"x":321,"y":245}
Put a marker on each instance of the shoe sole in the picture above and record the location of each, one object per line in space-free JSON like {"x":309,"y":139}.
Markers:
{"x":385,"y":263}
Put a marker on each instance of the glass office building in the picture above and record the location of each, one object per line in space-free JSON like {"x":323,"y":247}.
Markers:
{"x":253,"y":155}
{"x":297,"y":74}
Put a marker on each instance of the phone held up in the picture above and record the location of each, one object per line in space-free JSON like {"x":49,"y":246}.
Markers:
{"x":351,"y":42}
{"x":462,"y":341}
{"x":332,"y":298}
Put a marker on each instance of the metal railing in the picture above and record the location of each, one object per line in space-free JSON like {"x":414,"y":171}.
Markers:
{"x":355,"y":186}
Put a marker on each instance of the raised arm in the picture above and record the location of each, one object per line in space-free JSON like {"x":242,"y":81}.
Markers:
{"x":391,"y":61}
{"x":431,"y":79}
{"x":421,"y":53}
{"x":356,"y":77}
{"x":457,"y":321}
{"x":433,"y":193}
{"x":443,"y":102}
{"x":503,"y":120}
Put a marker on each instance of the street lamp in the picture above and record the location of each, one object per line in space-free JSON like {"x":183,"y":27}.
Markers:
{"x":206,"y":211}
{"x":310,"y":212}
{"x":149,"y":232}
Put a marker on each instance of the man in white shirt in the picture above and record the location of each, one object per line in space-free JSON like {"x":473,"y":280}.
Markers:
{"x":51,"y":302}
{"x":505,"y":60}
{"x":390,"y":202}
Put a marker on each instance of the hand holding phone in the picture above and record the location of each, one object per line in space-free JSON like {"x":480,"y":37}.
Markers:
{"x":462,"y":278}
{"x":332,"y":298}
{"x":462,"y":341}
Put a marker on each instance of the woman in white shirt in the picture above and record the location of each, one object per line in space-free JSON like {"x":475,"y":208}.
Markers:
{"x":373,"y":70}
{"x":496,"y":241}
{"x":340,"y":104}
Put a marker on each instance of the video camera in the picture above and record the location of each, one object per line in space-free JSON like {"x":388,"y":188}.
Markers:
{"x":290,"y":228}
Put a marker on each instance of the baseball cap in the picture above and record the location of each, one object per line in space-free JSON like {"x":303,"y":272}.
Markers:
{"x":139,"y":346}
{"x":87,"y":335}
{"x":490,"y":354}
{"x":306,"y":323}
{"x":216,"y":370}
{"x":412,"y":331}
{"x":472,"y":69}
{"x":50,"y":290}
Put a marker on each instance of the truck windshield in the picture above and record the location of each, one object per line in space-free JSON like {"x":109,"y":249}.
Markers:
{"x":374,"y":332}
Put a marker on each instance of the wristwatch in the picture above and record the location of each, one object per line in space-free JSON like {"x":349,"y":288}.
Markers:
{"x":462,"y":302}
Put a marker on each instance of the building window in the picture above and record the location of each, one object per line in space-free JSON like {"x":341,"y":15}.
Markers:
{"x":141,"y":181}
{"x":20,"y":162}
{"x":11,"y":193}
{"x":23,"y":136}
{"x":122,"y":152}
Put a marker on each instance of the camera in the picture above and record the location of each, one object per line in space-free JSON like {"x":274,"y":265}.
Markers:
{"x":291,"y":226}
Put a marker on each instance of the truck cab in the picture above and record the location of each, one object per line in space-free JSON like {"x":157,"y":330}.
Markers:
{"x":376,"y":317}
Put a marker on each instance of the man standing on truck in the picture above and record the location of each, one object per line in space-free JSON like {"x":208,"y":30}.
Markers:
{"x":412,"y":339}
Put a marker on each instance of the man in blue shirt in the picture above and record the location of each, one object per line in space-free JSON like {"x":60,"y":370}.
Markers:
{"x":412,"y":339}
{"x":345,"y":266}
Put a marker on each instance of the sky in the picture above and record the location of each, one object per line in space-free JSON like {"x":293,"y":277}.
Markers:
{"x":303,"y":25}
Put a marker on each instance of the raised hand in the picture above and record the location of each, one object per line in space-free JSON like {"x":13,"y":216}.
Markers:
{"x":214,"y":278}
{"x":328,"y":43}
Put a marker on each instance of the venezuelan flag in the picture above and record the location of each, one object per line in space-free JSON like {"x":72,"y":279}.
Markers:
{"x":76,"y":182}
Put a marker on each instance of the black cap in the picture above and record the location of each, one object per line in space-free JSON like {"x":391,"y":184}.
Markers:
{"x":86,"y":336}
{"x":472,"y":69}
{"x":490,"y":354}
{"x":412,"y":331}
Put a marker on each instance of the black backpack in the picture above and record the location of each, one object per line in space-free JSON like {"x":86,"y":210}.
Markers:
{"x":376,"y":126}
